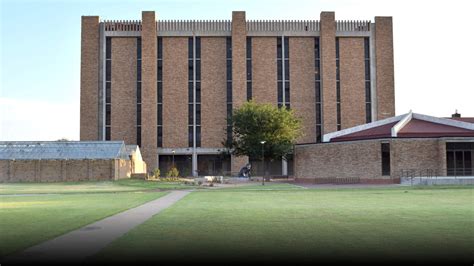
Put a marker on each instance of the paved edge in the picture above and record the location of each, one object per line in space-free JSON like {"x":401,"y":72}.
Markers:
{"x":79,"y":244}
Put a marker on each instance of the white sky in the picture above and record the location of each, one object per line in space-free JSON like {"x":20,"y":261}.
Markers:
{"x":39,"y":93}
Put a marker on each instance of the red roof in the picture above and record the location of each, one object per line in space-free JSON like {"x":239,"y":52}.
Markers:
{"x":416,"y":126}
{"x":420,"y":128}
{"x":384,"y":131}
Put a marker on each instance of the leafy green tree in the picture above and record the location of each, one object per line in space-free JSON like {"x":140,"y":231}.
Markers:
{"x":253,"y":123}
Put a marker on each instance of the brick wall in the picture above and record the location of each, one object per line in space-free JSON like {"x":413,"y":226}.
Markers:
{"x":63,"y":170}
{"x":213,"y":92}
{"x":352,"y":79}
{"x":89,"y":118}
{"x":302,"y":88}
{"x":328,"y":71}
{"x":124,"y":83}
{"x":149,"y":94}
{"x":264,"y":69}
{"x":385,"y":68}
{"x":360,"y":161}
{"x":175,"y":93}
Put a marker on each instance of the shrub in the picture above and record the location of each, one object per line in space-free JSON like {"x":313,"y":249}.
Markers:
{"x":173,"y":172}
{"x":156,"y":173}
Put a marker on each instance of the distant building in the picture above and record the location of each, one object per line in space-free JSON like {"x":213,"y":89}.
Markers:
{"x":43,"y":161}
{"x":387,"y":150}
{"x":168,"y":85}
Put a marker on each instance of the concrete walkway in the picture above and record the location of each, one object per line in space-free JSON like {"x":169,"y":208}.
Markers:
{"x":77,"y":245}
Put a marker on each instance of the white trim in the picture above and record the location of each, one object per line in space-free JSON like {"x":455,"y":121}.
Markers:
{"x":329,"y":136}
{"x":402,"y":123}
{"x":444,"y":121}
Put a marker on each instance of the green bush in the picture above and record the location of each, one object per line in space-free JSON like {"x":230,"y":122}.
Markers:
{"x":156,"y":173}
{"x":173,"y":172}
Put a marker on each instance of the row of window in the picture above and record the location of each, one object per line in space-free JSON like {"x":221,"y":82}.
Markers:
{"x":338,"y":87}
{"x":229,"y":86}
{"x":159,"y":95}
{"x":194,"y":91}
{"x":283,"y":71}
{"x":108,"y":86}
{"x":139,"y":91}
{"x":368,"y":95}
{"x":249,"y":68}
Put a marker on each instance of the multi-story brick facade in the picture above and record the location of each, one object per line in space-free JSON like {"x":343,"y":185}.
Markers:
{"x":169,"y":86}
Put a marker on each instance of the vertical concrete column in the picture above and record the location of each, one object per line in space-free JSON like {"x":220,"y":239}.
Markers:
{"x":239,"y":78}
{"x":89,"y":110}
{"x":328,"y":71}
{"x":442,"y":163}
{"x":385,"y":83}
{"x":149,"y":79}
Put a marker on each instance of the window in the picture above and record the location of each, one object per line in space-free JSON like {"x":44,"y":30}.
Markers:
{"x":159,"y":93}
{"x":283,"y":71}
{"x":108,"y":87}
{"x":385,"y":148}
{"x":368,"y":94}
{"x":139,"y":92}
{"x":229,"y":85}
{"x":317,"y":87}
{"x":338,"y":87}
{"x":459,"y":158}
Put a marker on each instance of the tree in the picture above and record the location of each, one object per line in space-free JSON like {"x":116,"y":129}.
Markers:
{"x":252,"y":123}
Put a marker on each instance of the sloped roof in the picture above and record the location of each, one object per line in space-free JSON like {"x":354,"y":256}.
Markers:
{"x":55,"y":150}
{"x":409,"y":125}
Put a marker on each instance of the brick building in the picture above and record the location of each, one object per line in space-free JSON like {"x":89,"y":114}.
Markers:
{"x":169,"y":86}
{"x":385,"y":151}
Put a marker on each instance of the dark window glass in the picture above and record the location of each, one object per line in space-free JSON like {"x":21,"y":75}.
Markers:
{"x":190,"y":136}
{"x":108,"y":97}
{"x":467,"y":163}
{"x":316,"y":47}
{"x":198,"y":92}
{"x":279,"y":47}
{"x":139,"y":48}
{"x":450,"y":163}
{"x":368,"y":112}
{"x":139,"y":136}
{"x":249,"y":90}
{"x":190,"y":70}
{"x":107,"y":114}
{"x":198,"y":47}
{"x":366,"y":47}
{"x":139,"y":114}
{"x":139,"y":92}
{"x":198,"y":136}
{"x":279,"y":70}
{"x":160,"y":47}
{"x":249,"y":70}
{"x":198,"y":114}
{"x":190,"y":114}
{"x":108,"y":48}
{"x":139,"y":70}
{"x":198,"y":69}
{"x":317,"y":73}
{"x":229,"y":47}
{"x":287,"y":91}
{"x":318,"y":91}
{"x":108,"y":70}
{"x":318,"y":134}
{"x":318,"y":113}
{"x":287,"y":47}
{"x":229,"y":110}
{"x":249,"y":47}
{"x":367,"y":91}
{"x":338,"y":74}
{"x":107,"y":133}
{"x":280,"y":105}
{"x":338,"y":91}
{"x":338,"y":106}
{"x":459,"y":162}
{"x":229,"y":91}
{"x":287,"y":105}
{"x":367,"y":70}
{"x":190,"y":92}
{"x":385,"y":149}
{"x":280,"y":92}
{"x":160,"y":114}
{"x":229,"y":70}
{"x":337,"y":47}
{"x":287,"y":69}
{"x":229,"y":134}
{"x":160,"y":136}
{"x":190,"y":48}
{"x":160,"y":92}
{"x":160,"y":69}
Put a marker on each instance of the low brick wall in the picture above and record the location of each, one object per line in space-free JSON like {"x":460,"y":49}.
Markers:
{"x":355,"y":162}
{"x":63,"y":170}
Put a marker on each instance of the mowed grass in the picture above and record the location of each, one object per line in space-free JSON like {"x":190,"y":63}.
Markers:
{"x":29,"y":220}
{"x":403,"y":224}
{"x":123,"y":185}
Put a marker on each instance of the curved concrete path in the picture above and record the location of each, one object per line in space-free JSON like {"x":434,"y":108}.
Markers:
{"x":77,"y":245}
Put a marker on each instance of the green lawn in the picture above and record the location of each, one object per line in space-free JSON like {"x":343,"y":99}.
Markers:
{"x":29,"y":220}
{"x":434,"y":224}
{"x":87,"y":187}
